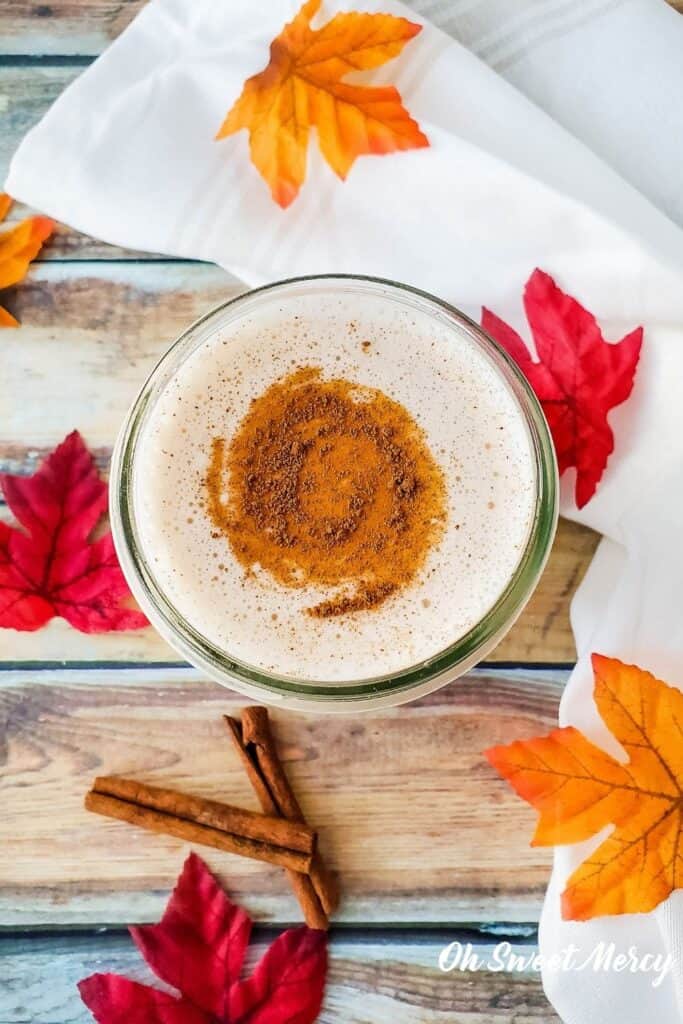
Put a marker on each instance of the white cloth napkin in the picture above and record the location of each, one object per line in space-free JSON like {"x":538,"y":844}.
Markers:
{"x":127,"y":154}
{"x":608,"y":70}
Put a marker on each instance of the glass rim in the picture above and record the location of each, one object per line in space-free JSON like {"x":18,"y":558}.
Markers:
{"x":392,"y":688}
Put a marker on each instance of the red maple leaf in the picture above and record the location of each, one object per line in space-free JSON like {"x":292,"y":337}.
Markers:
{"x":579,"y":376}
{"x":199,"y":947}
{"x":50,"y":567}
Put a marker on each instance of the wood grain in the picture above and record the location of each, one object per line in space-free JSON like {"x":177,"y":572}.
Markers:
{"x":90,"y":335}
{"x":543,"y":631}
{"x":395,"y":979}
{"x":465,"y":856}
{"x":63,"y":27}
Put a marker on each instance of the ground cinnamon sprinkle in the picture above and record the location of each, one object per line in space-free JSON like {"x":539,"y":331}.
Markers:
{"x":328,"y":483}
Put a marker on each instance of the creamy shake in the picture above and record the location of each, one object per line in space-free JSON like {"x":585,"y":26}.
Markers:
{"x":465,"y":417}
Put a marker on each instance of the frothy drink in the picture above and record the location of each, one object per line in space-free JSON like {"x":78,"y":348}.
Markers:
{"x":335,"y":488}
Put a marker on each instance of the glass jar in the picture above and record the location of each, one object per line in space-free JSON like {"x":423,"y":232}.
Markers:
{"x":375,"y":691}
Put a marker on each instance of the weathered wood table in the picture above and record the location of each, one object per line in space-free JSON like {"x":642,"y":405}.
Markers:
{"x":431,"y":846}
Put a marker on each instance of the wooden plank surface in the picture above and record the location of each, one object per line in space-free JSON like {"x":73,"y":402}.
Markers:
{"x":369,"y":979}
{"x":63,"y":27}
{"x":90,"y":335}
{"x":464,"y":857}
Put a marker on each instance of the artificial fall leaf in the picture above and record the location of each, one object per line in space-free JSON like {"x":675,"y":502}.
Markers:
{"x":18,"y":246}
{"x":199,"y":948}
{"x":579,"y":376}
{"x":302,"y":87}
{"x":51,"y":567}
{"x":579,"y":789}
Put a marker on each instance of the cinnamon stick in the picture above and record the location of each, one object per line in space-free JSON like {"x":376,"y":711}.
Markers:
{"x":302,"y":886}
{"x":251,"y":767}
{"x":226,"y":818}
{"x":194,"y":832}
{"x":257,"y":735}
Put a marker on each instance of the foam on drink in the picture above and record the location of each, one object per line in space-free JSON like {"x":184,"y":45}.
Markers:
{"x":475,"y":431}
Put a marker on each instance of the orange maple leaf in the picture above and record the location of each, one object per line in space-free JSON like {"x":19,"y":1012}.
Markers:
{"x":18,"y":246}
{"x":302,"y":87}
{"x":579,"y":789}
